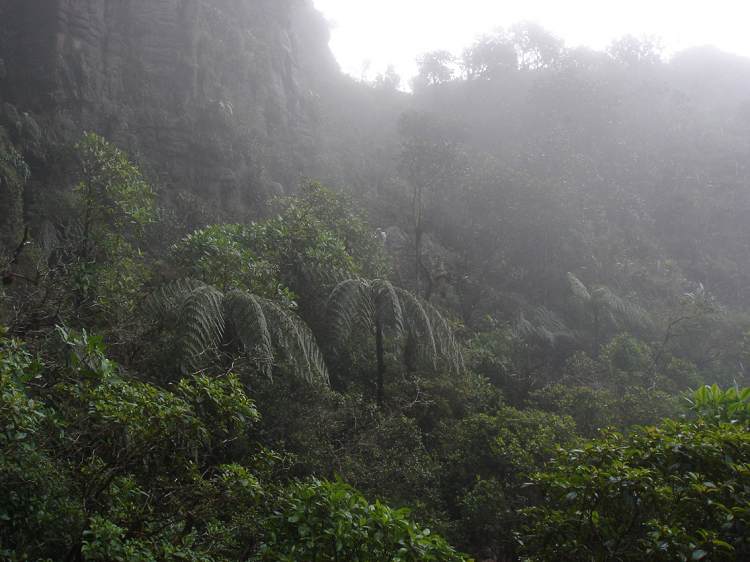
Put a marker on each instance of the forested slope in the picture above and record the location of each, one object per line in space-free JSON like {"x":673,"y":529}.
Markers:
{"x":505,"y":313}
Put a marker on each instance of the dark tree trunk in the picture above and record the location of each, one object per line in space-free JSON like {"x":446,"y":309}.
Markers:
{"x":595,"y":342}
{"x":417,"y":258}
{"x":418,"y":213}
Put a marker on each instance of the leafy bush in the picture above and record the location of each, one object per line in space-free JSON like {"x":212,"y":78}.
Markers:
{"x":711,"y":403}
{"x":679,"y":491}
{"x":322,"y":521}
{"x":113,"y":206}
{"x":221,"y":255}
{"x":37,"y":493}
{"x":485,"y":460}
{"x":98,"y":462}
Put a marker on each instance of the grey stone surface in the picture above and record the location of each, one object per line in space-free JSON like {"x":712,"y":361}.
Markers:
{"x":215,"y":96}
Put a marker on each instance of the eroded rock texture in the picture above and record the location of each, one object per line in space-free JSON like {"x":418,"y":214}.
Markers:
{"x":218,"y":96}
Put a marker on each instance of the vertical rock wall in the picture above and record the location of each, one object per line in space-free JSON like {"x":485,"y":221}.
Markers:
{"x":218,"y":97}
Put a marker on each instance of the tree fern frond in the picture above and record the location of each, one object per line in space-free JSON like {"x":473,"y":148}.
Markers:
{"x":604,"y":296}
{"x":201,"y":313}
{"x":445,"y":339}
{"x":552,"y":324}
{"x":200,"y":323}
{"x":194,"y":309}
{"x":431,"y":331}
{"x":578,"y":288}
{"x":522,"y":327}
{"x":245,"y":316}
{"x":388,"y":305}
{"x":629,"y":311}
{"x":543,"y":325}
{"x":349,"y":305}
{"x":166,"y":299}
{"x":419,"y":326}
{"x":294,"y":337}
{"x":638,"y":316}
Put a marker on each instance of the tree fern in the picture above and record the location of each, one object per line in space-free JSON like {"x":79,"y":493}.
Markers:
{"x":601,"y":301}
{"x":377,"y":306}
{"x":603,"y":298}
{"x":629,"y":311}
{"x":204,"y":317}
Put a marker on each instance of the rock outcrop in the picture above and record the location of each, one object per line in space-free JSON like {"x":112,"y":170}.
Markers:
{"x":219,"y":97}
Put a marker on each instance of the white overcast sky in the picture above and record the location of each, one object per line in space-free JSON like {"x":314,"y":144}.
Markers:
{"x":395,"y":32}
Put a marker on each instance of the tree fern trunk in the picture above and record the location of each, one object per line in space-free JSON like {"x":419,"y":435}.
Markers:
{"x":381,"y":361}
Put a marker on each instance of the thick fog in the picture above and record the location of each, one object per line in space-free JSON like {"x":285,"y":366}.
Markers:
{"x":369,"y":35}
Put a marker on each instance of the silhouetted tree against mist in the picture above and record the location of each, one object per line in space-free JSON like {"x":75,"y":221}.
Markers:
{"x":536,"y":47}
{"x":631,"y":50}
{"x":431,"y":163}
{"x":389,"y":80}
{"x":489,"y":58}
{"x":435,"y":68}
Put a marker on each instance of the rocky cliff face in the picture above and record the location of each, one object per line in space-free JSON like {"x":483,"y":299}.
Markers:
{"x":219,"y":97}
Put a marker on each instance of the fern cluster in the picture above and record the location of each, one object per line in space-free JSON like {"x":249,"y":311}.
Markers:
{"x":205,"y":317}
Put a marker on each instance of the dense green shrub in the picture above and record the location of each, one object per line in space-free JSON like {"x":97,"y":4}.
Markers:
{"x":484,"y":464}
{"x":320,"y":521}
{"x":679,"y":491}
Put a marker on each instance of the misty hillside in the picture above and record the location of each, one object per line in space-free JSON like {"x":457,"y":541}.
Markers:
{"x":255,"y":309}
